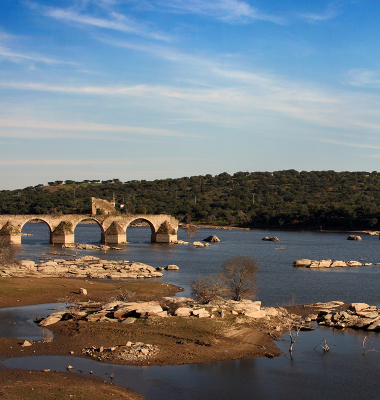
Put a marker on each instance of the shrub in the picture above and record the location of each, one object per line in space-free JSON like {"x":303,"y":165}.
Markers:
{"x":205,"y":289}
{"x":7,"y":254}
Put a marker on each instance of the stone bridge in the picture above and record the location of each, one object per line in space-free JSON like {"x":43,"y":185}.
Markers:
{"x":113,"y":227}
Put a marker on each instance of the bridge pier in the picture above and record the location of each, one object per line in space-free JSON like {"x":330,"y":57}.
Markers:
{"x":163,"y":237}
{"x":165,"y":234}
{"x":63,"y":234}
{"x":114,"y":234}
{"x":10,"y":233}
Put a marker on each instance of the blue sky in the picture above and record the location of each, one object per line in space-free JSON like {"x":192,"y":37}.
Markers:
{"x":141,"y":89}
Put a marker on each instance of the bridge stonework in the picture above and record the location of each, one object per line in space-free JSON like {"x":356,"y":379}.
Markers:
{"x":113,"y":227}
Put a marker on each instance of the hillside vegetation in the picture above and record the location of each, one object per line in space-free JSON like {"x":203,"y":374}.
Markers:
{"x":282,"y":199}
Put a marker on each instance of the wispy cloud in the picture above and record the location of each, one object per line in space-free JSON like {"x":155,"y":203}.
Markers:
{"x":331,"y":12}
{"x":67,"y":163}
{"x":363,"y":78}
{"x":17,"y":57}
{"x":12,"y":48}
{"x":115,"y":21}
{"x":230,"y":11}
{"x":259,"y":93}
{"x":340,"y":143}
{"x":27,"y":127}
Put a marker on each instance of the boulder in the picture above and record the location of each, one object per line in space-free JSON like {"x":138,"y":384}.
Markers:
{"x":271,"y":311}
{"x":358,"y":306}
{"x":183,"y":312}
{"x":198,"y":244}
{"x":82,"y":291}
{"x":368,"y":314}
{"x":255,"y":314}
{"x":172,"y":267}
{"x":52,"y":318}
{"x":354,"y":237}
{"x":338,"y":264}
{"x":28,"y":264}
{"x":201,"y":313}
{"x":212,"y":238}
{"x":325,"y":263}
{"x":314,"y":264}
{"x":272,"y":239}
{"x":375,"y":326}
{"x":302,"y":263}
{"x":354,"y":264}
{"x":43,"y":269}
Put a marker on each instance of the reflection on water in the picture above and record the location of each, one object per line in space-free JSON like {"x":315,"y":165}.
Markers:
{"x":18,"y":322}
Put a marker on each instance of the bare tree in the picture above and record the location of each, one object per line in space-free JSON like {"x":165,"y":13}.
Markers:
{"x":324,"y":346}
{"x":293,"y":338}
{"x":238,"y":276}
{"x":191,"y":230}
{"x":365,"y":351}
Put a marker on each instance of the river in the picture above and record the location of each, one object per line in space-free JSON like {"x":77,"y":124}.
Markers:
{"x":343,"y":372}
{"x":278,"y":281}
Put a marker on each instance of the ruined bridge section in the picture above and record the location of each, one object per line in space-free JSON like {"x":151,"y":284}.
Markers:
{"x":113,"y":227}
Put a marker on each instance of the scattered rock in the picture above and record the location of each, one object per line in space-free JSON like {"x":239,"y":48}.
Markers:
{"x":130,"y":352}
{"x":83,"y":291}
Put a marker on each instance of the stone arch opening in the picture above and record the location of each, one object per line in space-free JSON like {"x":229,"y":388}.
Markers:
{"x":35,"y":230}
{"x":140,"y":230}
{"x":88,"y":231}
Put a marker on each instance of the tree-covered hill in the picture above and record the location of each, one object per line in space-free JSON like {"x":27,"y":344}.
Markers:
{"x":287,"y":199}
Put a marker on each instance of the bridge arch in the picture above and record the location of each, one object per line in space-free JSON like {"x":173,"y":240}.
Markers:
{"x":42,"y":231}
{"x":143,"y":219}
{"x":97,"y":236}
{"x":36,"y":218}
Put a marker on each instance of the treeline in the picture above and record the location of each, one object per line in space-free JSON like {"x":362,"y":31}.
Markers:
{"x":287,"y":199}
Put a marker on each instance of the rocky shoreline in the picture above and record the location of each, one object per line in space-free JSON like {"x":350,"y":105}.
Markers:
{"x":337,"y":314}
{"x":277,"y":320}
{"x":84,"y":267}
